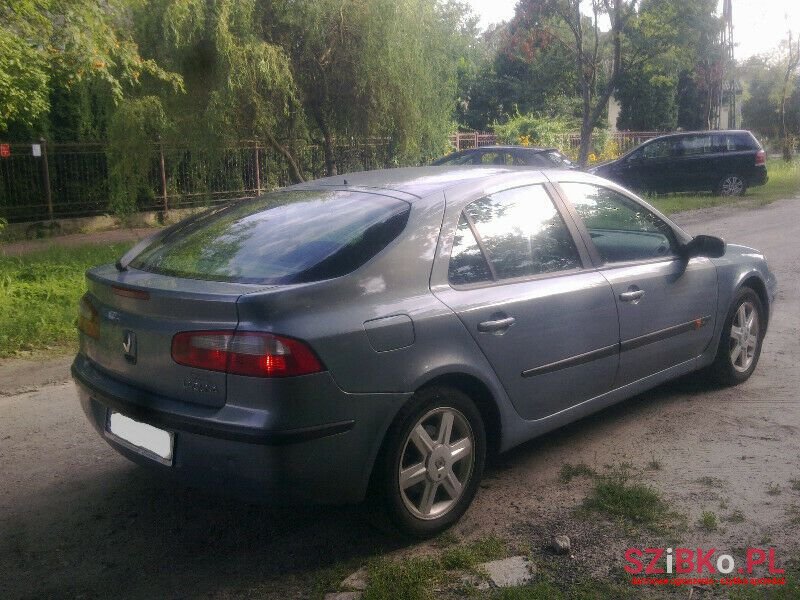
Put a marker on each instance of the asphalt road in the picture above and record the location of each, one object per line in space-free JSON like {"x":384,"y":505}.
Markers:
{"x":77,"y":520}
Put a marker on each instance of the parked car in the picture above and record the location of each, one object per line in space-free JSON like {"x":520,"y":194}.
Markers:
{"x":385,"y":331}
{"x":723,"y":162}
{"x":511,"y":156}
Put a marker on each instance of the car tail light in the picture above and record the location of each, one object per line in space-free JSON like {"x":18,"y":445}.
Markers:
{"x":761,"y":158}
{"x":87,"y":318}
{"x":245,"y":353}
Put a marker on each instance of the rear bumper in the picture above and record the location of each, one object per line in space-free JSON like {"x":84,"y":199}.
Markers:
{"x":238,"y":450}
{"x":759,"y":176}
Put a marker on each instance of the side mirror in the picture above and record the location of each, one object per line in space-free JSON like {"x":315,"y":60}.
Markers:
{"x":705,"y":245}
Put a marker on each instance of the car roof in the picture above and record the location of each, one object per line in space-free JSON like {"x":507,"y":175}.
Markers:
{"x":414,"y":183}
{"x":507,"y":147}
{"x":702,"y":132}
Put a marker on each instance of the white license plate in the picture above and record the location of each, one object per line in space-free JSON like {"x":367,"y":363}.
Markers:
{"x":150,"y":441}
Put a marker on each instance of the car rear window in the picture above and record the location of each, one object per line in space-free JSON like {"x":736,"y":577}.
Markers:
{"x":284,"y":237}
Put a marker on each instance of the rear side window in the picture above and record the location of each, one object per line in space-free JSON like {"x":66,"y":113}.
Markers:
{"x":740,"y":141}
{"x":511,"y":234}
{"x":285,"y":237}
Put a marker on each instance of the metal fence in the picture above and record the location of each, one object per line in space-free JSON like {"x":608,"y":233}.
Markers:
{"x":568,"y":142}
{"x":41,"y":181}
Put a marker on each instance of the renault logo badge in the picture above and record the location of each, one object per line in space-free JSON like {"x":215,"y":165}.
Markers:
{"x":129,"y":346}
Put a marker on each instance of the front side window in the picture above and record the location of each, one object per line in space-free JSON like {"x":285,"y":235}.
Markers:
{"x":284,"y":237}
{"x":519,"y":234}
{"x":657,"y":149}
{"x":622,"y":230}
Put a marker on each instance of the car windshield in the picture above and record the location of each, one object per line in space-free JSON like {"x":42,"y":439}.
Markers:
{"x":284,"y":237}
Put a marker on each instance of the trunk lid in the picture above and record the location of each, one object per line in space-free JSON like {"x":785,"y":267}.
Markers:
{"x":138,"y":313}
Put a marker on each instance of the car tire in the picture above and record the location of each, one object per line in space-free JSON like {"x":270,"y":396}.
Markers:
{"x":731,"y":185}
{"x":431,"y":462}
{"x":740,"y":347}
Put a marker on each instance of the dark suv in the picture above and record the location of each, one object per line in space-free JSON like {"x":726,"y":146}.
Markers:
{"x":724,"y":162}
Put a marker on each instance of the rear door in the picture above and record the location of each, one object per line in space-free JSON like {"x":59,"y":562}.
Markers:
{"x":517,"y":281}
{"x":666,"y":305}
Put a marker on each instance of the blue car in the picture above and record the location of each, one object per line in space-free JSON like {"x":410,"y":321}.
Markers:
{"x":382,"y":333}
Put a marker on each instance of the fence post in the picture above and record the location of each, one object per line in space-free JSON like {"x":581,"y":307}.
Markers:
{"x":46,"y":177}
{"x":258,"y":173}
{"x":163,"y":176}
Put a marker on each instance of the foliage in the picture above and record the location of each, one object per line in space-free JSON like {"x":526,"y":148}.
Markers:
{"x":134,"y":129}
{"x":40,"y":292}
{"x":46,"y":44}
{"x":671,"y":87}
{"x":535,"y":130}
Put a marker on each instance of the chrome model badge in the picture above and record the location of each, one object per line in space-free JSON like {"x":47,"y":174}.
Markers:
{"x":129,"y":346}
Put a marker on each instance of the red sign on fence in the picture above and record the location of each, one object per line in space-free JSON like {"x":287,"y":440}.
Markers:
{"x":5,"y":150}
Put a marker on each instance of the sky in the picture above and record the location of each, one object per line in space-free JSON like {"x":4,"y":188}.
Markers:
{"x":758,"y":25}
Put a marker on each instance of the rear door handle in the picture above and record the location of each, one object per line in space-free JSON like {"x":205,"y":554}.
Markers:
{"x":496,"y":326}
{"x":631,"y":296}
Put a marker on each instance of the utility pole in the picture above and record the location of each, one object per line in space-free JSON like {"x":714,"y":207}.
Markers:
{"x":730,"y":63}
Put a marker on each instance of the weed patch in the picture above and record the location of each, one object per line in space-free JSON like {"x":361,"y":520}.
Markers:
{"x":615,"y":495}
{"x":708,"y":521}
{"x":569,"y":472}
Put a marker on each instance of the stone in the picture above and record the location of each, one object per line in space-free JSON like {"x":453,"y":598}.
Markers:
{"x":356,"y":581}
{"x":509,"y":572}
{"x":560,"y":544}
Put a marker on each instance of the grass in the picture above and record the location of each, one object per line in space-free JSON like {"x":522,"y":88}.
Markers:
{"x":708,"y":521}
{"x":654,"y":465}
{"x":790,"y":591}
{"x":569,"y":471}
{"x":615,"y":495}
{"x":736,"y":516}
{"x":774,"y":489}
{"x":709,"y":481}
{"x":417,"y":577}
{"x":39,"y":293}
{"x":580,"y":590}
{"x":784,"y":182}
{"x":469,"y":555}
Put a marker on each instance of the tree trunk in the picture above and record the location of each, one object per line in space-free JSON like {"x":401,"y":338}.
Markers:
{"x":330,"y":155}
{"x":297,"y":176}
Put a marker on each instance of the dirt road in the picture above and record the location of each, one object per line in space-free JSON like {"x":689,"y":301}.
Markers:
{"x":77,"y":520}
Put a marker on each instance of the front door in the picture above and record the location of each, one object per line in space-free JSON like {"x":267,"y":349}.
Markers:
{"x":516,"y":280}
{"x":666,"y":304}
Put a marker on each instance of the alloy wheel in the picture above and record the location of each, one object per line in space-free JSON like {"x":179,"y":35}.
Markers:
{"x":436,"y":463}
{"x":732,"y":185}
{"x":744,"y":336}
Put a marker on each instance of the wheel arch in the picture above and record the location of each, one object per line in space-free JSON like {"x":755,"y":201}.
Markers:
{"x":755,"y":283}
{"x":484,"y":400}
{"x":476,"y":389}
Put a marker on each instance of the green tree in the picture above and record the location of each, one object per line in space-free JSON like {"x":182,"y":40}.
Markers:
{"x":48,"y":44}
{"x":674,"y":37}
{"x":374,"y":68}
{"x":564,"y":22}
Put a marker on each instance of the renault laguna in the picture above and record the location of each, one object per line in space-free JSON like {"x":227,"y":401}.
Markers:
{"x":380,"y":334}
